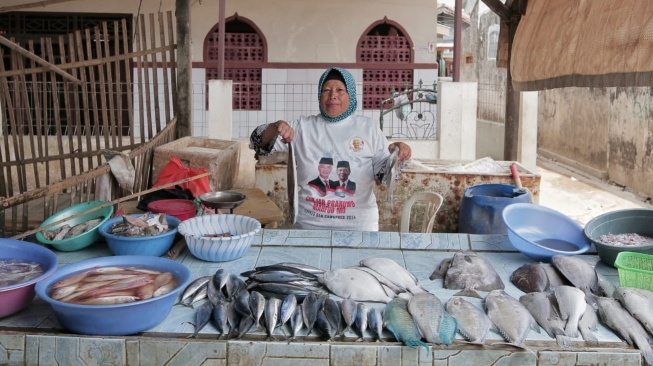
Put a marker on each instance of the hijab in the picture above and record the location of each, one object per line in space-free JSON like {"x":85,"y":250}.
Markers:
{"x":350,"y":84}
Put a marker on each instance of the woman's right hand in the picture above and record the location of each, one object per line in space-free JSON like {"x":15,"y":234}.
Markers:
{"x":284,"y":130}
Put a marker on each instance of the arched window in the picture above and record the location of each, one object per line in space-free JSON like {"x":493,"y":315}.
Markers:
{"x":386,"y":53}
{"x":245,"y":51}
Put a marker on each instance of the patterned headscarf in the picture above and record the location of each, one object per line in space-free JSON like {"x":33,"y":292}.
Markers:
{"x":350,"y":84}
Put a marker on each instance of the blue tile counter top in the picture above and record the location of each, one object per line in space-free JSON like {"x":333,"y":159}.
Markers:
{"x":33,"y":336}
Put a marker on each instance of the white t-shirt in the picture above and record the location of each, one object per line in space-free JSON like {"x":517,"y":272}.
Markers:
{"x":356,"y":140}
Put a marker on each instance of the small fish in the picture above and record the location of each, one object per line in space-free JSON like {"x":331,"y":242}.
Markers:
{"x":233,"y":319}
{"x":109,"y":300}
{"x":587,"y":323}
{"x":296,"y":322}
{"x":63,"y":231}
{"x":473,"y":323}
{"x":71,"y":280}
{"x":397,"y":274}
{"x":427,"y":312}
{"x":349,"y":309}
{"x":470,"y":272}
{"x":271,"y":316}
{"x":288,"y":306}
{"x":145,"y":292}
{"x":201,"y":294}
{"x":323,"y":325}
{"x":245,"y":325}
{"x":510,"y":316}
{"x":62,"y":292}
{"x":571,"y":303}
{"x":202,"y":317}
{"x":333,"y":314}
{"x":401,"y":324}
{"x":234,"y":286}
{"x":544,"y":309}
{"x":241,"y":304}
{"x":193,"y":287}
{"x":212,"y":293}
{"x":361,"y":321}
{"x":619,"y":319}
{"x":375,"y":322}
{"x":219,"y":318}
{"x":310,"y":309}
{"x":257,"y":306}
{"x":164,"y":289}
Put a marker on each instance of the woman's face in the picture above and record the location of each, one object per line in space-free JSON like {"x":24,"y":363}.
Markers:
{"x":334,"y":99}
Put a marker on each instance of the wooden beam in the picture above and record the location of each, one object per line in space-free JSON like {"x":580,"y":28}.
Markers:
{"x":499,"y":8}
{"x":184,"y":68}
{"x":37,"y":4}
{"x":5,"y":42}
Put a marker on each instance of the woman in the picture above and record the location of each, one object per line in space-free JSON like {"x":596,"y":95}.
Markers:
{"x":336,"y":134}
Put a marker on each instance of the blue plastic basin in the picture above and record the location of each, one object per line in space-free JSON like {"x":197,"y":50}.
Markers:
{"x":481,"y":207}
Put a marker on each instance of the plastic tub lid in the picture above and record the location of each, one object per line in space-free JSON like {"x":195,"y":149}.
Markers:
{"x":172,"y":206}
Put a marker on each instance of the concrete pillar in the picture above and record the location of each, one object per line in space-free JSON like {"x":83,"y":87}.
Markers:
{"x":220,"y":123}
{"x":527,"y":145}
{"x":457,"y":120}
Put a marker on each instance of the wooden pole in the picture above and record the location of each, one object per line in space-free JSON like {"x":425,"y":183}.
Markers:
{"x":221,"y":42}
{"x":457,"y":39}
{"x":184,"y":69}
{"x":11,"y":45}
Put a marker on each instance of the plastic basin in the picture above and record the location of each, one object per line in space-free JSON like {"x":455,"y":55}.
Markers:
{"x":153,"y":245}
{"x":482,"y":205}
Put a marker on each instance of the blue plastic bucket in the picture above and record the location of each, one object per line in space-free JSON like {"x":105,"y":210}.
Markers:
{"x":482,"y":205}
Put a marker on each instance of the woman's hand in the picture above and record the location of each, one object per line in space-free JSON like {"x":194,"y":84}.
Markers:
{"x":405,"y":151}
{"x":284,"y":130}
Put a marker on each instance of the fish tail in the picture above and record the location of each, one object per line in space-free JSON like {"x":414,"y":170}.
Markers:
{"x":589,"y":337}
{"x":571,"y":329}
{"x":468,"y":293}
{"x":416,"y":343}
{"x":517,"y":346}
{"x":563,"y":341}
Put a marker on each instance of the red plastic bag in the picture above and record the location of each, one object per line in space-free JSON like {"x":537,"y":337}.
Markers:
{"x":175,"y":171}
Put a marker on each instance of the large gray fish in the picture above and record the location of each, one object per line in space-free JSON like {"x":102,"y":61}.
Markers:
{"x":427,"y":312}
{"x":619,"y":319}
{"x":375,"y":323}
{"x":587,"y":323}
{"x":473,"y":323}
{"x":302,"y":267}
{"x":271,"y":316}
{"x":470,"y":272}
{"x":395,"y":273}
{"x":580,"y":273}
{"x":639,"y":303}
{"x":234,"y":285}
{"x":354,"y":284}
{"x":349,"y":309}
{"x":510,"y":316}
{"x":241,"y":304}
{"x":310,"y":307}
{"x":361,"y":321}
{"x":398,"y":321}
{"x":543,"y":308}
{"x":571,"y":303}
{"x":391,"y":289}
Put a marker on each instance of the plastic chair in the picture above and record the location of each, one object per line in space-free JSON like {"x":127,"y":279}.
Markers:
{"x":433,"y":203}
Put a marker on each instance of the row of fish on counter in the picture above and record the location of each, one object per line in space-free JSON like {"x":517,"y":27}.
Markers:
{"x":562,"y":297}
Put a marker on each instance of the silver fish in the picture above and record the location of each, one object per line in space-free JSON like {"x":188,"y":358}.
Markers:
{"x":241,"y":304}
{"x":571,"y":303}
{"x":193,"y":287}
{"x":324,"y":326}
{"x":201,"y":294}
{"x":233,"y":318}
{"x":427,"y":312}
{"x":246,"y":323}
{"x":234,"y":285}
{"x":394,"y":273}
{"x":257,"y":306}
{"x":333,"y":314}
{"x":219,"y":317}
{"x":512,"y":319}
{"x":212,"y":293}
{"x":604,"y":287}
{"x":220,"y":278}
{"x":580,"y":273}
{"x":473,"y":323}
{"x":361,"y":320}
{"x":354,"y":284}
{"x":375,"y":322}
{"x":619,"y":319}
{"x":202,"y":317}
{"x":639,"y":303}
{"x":470,"y":272}
{"x":271,"y":316}
{"x":401,"y":324}
{"x":543,"y":308}
{"x":309,"y":311}
{"x":349,"y":309}
{"x":587,"y":323}
{"x":296,"y":322}
{"x":288,"y":306}
{"x":302,"y":267}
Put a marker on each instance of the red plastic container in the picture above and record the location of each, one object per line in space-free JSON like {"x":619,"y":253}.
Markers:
{"x":179,"y":208}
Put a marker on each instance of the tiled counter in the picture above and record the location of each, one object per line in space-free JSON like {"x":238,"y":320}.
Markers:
{"x":33,"y":336}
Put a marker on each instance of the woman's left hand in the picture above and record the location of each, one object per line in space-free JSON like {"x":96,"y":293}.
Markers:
{"x":404,"y":150}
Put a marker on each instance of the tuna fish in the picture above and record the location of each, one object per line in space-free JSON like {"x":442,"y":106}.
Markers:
{"x":288,"y":306}
{"x":349,"y":309}
{"x":361,"y":320}
{"x":473,"y":323}
{"x":271,"y":316}
{"x":202,"y":317}
{"x":398,"y":321}
{"x":296,"y":322}
{"x":257,"y":306}
{"x":309,"y":311}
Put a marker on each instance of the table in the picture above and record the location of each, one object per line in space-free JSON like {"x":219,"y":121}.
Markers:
{"x":33,"y":336}
{"x":259,"y":206}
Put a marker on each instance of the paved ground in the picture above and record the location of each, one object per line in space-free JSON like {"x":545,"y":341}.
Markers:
{"x":579,"y":196}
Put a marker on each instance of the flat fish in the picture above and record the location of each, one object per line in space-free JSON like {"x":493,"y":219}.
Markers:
{"x":397,"y":274}
{"x":543,"y":308}
{"x":619,"y":319}
{"x":470,"y":272}
{"x":571,"y":303}
{"x":587,"y":323}
{"x":399,"y":322}
{"x":580,"y":273}
{"x":354,"y":284}
{"x":639,"y":303}
{"x":448,"y":328}
{"x":473,"y":323}
{"x":530,"y":277}
{"x":510,"y":316}
{"x":427,"y":312}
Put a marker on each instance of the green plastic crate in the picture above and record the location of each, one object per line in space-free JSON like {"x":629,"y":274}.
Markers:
{"x":635,"y":270}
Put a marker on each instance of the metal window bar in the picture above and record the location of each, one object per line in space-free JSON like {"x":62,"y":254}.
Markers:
{"x":491,"y":103}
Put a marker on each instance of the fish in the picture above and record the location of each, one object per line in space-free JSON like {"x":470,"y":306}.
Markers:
{"x":427,"y":312}
{"x":164,"y":289}
{"x":108,"y":300}
{"x":310,"y":309}
{"x":361,"y":321}
{"x":302,"y":267}
{"x":395,"y":273}
{"x":442,"y":269}
{"x":246,"y":323}
{"x":202,"y":317}
{"x":288,"y":306}
{"x":399,"y":322}
{"x":192,"y":288}
{"x":333,"y":314}
{"x":324,"y":326}
{"x":639,"y":303}
{"x":275,"y":276}
{"x":233,"y":319}
{"x":280,"y":290}
{"x":543,"y":308}
{"x":199,"y":295}
{"x":580,"y":273}
{"x":555,"y":277}
{"x":530,"y":277}
{"x":62,"y":292}
{"x":256,"y":306}
{"x":219,"y":318}
{"x":375,"y":322}
{"x":619,"y":320}
{"x":349,"y":309}
{"x":298,"y":269}
{"x":220,"y":278}
{"x":354,"y":284}
{"x":604,"y":287}
{"x":62,"y":232}
{"x":470,"y":272}
{"x":587,"y":323}
{"x":510,"y":317}
{"x":571,"y":303}
{"x":241,"y":304}
{"x":296,"y":322}
{"x":271,"y":316}
{"x":212,"y":292}
{"x":448,"y":328}
{"x":473,"y":323}
{"x":391,"y":289}
{"x":233,"y":286}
